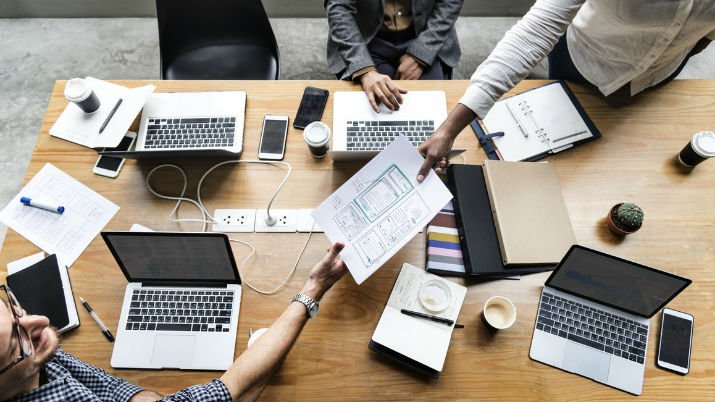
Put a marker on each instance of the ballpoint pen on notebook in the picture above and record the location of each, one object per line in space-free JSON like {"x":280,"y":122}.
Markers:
{"x":430,"y":317}
{"x":99,"y":322}
{"x":111,"y":114}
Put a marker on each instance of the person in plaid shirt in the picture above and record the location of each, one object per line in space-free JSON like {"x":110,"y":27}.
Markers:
{"x":34,"y":368}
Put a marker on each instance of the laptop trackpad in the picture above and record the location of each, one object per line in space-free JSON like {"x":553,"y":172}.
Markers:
{"x":586,"y":361}
{"x":173,"y":351}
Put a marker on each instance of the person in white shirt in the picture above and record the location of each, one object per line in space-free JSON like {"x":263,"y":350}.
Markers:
{"x":615,"y":45}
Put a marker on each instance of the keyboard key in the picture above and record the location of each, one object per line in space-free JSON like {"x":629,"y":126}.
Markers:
{"x":173,"y":327}
{"x":585,"y":341}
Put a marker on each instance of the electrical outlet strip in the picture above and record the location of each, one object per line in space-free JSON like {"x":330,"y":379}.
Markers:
{"x":305,"y":221}
{"x":234,"y":220}
{"x":286,"y":221}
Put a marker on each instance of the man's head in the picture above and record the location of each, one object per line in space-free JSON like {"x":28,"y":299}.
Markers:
{"x":27,"y":342}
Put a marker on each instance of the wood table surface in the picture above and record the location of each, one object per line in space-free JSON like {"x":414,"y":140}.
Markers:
{"x":633,"y":161}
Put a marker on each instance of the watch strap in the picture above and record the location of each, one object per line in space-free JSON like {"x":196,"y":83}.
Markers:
{"x":307,"y":301}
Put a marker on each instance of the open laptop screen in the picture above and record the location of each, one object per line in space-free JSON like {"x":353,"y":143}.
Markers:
{"x":615,"y":282}
{"x":176,"y":257}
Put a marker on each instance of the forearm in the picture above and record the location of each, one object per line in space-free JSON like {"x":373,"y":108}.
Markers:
{"x":428,"y":43}
{"x":254,"y":367}
{"x":343,"y":30}
{"x":457,"y":119}
{"x":518,"y":52}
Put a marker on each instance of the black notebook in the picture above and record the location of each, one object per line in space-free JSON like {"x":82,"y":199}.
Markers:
{"x":44,"y":289}
{"x":475,"y":224}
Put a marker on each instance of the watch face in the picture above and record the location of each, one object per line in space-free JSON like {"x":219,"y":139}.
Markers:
{"x":313,"y":310}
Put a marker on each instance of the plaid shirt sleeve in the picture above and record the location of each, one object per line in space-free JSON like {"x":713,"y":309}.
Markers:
{"x":104,"y":385}
{"x":214,"y":391}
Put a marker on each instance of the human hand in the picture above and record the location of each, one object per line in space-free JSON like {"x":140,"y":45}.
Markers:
{"x":380,"y":88}
{"x":435,"y":150}
{"x":325,"y":273}
{"x":409,"y":68}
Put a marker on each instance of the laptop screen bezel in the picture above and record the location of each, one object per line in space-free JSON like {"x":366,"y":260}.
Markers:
{"x":106,"y":236}
{"x":576,"y":246}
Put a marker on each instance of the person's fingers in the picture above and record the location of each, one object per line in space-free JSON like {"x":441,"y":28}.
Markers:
{"x":386,"y":97}
{"x":400,"y":89}
{"x":335,"y":250}
{"x":373,"y":102}
{"x":394,"y":90}
{"x":442,"y":163}
{"x":426,"y":166}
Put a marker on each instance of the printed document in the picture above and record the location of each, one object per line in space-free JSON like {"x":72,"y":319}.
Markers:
{"x":67,"y":234}
{"x":381,"y":208}
{"x":82,"y":128}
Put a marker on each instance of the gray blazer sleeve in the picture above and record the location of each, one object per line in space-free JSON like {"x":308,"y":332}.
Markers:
{"x":345,"y":33}
{"x":439,"y":23}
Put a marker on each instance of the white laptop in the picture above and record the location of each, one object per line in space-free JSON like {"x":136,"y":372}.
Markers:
{"x":359,"y":133}
{"x":190,"y":124}
{"x":181,"y":305}
{"x":593,"y":318}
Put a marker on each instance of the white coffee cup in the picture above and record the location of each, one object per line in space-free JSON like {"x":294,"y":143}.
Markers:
{"x":499,"y":313}
{"x":255,"y":335}
{"x":80,"y":93}
{"x":317,"y":136}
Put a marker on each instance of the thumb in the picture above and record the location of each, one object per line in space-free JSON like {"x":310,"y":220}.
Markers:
{"x":335,"y":249}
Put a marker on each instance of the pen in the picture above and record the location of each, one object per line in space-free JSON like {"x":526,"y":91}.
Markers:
{"x":111,"y":114}
{"x":427,"y":316}
{"x":518,"y":124}
{"x":42,"y":205}
{"x":99,"y":322}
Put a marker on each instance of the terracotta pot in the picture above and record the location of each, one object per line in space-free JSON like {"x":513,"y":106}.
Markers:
{"x":612,"y":225}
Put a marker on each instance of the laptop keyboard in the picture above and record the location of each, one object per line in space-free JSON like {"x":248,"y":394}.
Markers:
{"x":376,"y":135}
{"x":203,"y":132}
{"x":592,"y":327}
{"x":180,"y":310}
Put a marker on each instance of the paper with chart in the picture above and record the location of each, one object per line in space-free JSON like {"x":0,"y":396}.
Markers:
{"x":81,"y":128}
{"x":381,"y":208}
{"x":67,"y":234}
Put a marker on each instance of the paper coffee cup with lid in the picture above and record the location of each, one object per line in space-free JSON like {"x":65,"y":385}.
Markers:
{"x":700,"y":147}
{"x":317,"y":137}
{"x":78,"y":91}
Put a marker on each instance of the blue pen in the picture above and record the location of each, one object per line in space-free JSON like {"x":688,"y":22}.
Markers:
{"x":42,"y":205}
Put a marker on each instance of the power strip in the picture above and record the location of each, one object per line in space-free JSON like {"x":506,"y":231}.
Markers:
{"x":252,"y":220}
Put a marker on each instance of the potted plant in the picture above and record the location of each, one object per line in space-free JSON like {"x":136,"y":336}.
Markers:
{"x":625,"y":218}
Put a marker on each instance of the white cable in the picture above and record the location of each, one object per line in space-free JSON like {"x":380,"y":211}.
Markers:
{"x":198,"y":203}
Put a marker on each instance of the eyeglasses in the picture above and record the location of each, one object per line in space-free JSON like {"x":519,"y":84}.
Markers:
{"x":23,"y":337}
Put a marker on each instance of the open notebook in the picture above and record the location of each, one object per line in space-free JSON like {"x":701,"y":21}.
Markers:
{"x":537,"y":123}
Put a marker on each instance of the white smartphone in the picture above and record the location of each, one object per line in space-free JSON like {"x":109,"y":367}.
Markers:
{"x":675,"y":343}
{"x":273,"y":138}
{"x":110,"y":166}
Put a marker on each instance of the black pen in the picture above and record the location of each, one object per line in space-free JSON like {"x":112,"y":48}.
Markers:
{"x":427,"y":316}
{"x":99,"y":322}
{"x":111,"y":114}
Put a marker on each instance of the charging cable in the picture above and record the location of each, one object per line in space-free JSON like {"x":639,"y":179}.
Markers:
{"x":207,"y":218}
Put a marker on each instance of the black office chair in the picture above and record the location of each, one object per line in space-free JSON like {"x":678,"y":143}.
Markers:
{"x":216,"y":40}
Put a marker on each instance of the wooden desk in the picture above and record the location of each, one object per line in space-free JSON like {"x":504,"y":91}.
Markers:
{"x":632,"y":162}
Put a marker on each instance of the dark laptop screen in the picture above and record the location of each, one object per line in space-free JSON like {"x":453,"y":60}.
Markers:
{"x":615,"y":282}
{"x":179,"y":257}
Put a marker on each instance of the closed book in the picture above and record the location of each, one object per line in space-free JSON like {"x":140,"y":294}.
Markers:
{"x":444,"y":252}
{"x":44,"y":289}
{"x":530,"y":215}
{"x":475,"y":224}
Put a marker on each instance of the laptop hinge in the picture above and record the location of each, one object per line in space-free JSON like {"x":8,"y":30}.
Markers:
{"x":165,"y":284}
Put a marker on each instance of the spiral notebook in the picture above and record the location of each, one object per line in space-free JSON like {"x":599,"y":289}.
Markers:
{"x":536,"y":123}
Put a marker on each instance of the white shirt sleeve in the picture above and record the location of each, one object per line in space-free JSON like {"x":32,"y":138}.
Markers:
{"x":516,"y":54}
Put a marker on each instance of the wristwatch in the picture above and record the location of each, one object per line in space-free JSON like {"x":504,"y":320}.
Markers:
{"x":311,"y":306}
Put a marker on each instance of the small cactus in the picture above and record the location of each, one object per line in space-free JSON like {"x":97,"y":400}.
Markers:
{"x":629,"y":216}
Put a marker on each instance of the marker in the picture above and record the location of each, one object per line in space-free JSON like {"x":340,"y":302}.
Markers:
{"x":99,"y":322}
{"x":111,"y":114}
{"x":42,"y":205}
{"x":427,"y":317}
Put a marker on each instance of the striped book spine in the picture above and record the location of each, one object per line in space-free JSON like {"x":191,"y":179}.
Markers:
{"x":444,"y":252}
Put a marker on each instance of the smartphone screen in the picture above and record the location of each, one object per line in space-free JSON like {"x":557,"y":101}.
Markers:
{"x":675,"y":340}
{"x":273,"y":138}
{"x":311,"y":107}
{"x":111,"y":162}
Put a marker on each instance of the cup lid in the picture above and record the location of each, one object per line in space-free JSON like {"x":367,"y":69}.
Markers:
{"x":704,"y":143}
{"x":77,"y":90}
{"x":316,"y":133}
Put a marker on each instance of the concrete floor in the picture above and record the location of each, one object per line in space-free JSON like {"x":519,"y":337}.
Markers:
{"x":36,"y":52}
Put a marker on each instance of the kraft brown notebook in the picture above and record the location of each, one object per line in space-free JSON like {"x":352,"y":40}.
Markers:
{"x":529,"y":211}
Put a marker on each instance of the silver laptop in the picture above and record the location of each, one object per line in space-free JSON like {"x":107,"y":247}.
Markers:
{"x":359,"y":133}
{"x":593,"y":316}
{"x":181,"y":305}
{"x":190,"y":124}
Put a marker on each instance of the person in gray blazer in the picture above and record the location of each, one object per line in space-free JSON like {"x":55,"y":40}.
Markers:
{"x":376,"y":41}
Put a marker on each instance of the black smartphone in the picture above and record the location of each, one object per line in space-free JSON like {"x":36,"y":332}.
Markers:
{"x":675,"y":343}
{"x":311,"y":107}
